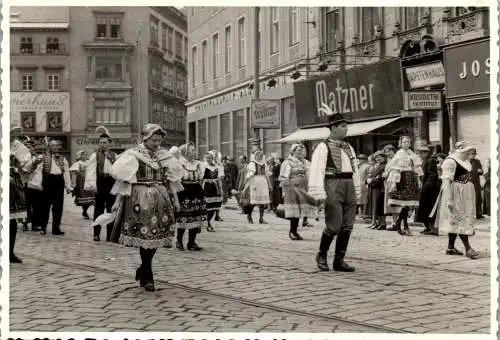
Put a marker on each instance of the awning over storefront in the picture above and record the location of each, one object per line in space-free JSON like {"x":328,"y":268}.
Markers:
{"x":355,"y":129}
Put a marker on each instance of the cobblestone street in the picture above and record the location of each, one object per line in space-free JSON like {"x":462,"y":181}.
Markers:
{"x":250,"y":278}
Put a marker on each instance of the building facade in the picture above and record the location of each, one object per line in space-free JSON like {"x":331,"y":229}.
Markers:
{"x":127,"y":69}
{"x":221,"y":62}
{"x":39,"y":73}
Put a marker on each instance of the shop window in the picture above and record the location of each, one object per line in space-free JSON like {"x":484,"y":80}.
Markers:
{"x":225,"y":134}
{"x":26,"y":45}
{"x":27,"y":81}
{"x":52,"y":45}
{"x":54,"y":121}
{"x":28,"y":121}
{"x":213,"y":133}
{"x":239,"y":133}
{"x":202,"y":137}
{"x":332,"y":27}
{"x":108,"y":68}
{"x":53,"y":82}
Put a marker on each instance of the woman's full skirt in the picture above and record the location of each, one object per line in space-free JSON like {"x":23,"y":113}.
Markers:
{"x":193,"y":208}
{"x":461,"y":219}
{"x":17,"y":197}
{"x":428,"y":197}
{"x":297,"y":202}
{"x":259,"y":190}
{"x":82,"y":197}
{"x":407,"y":191}
{"x":213,"y":197}
{"x":148,"y":220}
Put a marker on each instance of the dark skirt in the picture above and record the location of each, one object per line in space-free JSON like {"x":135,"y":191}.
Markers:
{"x":193,"y":209}
{"x":17,"y":196}
{"x":213,"y":198}
{"x":487,"y":198}
{"x":369,"y":208}
{"x":428,"y":197}
{"x":378,"y":198}
{"x":407,"y":191}
{"x":82,"y":197}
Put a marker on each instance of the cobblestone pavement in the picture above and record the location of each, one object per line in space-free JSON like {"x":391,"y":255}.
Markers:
{"x":400,"y":283}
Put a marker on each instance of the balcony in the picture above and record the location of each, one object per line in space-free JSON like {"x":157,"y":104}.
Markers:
{"x":39,"y":49}
{"x":471,"y":25}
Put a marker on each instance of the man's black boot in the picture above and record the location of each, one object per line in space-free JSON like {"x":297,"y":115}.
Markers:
{"x":324,"y":246}
{"x":340,"y":249}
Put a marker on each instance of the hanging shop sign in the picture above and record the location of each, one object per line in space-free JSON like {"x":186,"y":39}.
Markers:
{"x":361,"y":93}
{"x":425,"y":75}
{"x":422,"y":100}
{"x":468,"y":70}
{"x":265,"y":114}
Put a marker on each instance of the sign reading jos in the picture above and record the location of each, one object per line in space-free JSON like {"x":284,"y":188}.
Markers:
{"x":468,"y":70}
{"x":265,"y":114}
{"x":362,"y":93}
{"x":422,"y":100}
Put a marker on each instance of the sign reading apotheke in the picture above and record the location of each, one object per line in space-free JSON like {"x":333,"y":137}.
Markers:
{"x":265,"y":114}
{"x":361,"y":93}
{"x":422,"y":100}
{"x":468,"y":70}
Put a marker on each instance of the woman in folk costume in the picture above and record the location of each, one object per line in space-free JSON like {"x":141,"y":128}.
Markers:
{"x":212,"y":187}
{"x":83,"y":198}
{"x":192,"y":214}
{"x":390,"y":210}
{"x":456,"y":208}
{"x":20,"y":162}
{"x":376,"y":183}
{"x":147,"y":179}
{"x":99,"y":180}
{"x":403,"y":180}
{"x":293,"y":179}
{"x":256,"y":181}
{"x":34,"y":186}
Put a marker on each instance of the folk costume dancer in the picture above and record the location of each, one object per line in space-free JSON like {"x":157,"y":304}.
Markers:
{"x":256,"y":181}
{"x":404,"y":181}
{"x":456,"y":208}
{"x":147,"y":179}
{"x":212,"y":187}
{"x":390,"y":210}
{"x":192,"y":214}
{"x":334,"y":182}
{"x":83,"y":198}
{"x":55,"y":177}
{"x":293,"y":179}
{"x":20,"y":162}
{"x":98,"y":179}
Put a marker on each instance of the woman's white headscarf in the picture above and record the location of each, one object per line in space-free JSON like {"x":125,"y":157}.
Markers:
{"x":262,"y":161}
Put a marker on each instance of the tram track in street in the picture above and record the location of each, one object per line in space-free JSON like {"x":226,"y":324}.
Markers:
{"x":357,"y":326}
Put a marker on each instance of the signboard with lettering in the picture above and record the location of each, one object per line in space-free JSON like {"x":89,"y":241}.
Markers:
{"x":265,"y":114}
{"x":50,"y":109}
{"x":468,"y":70}
{"x":362,"y":93}
{"x":425,"y":75}
{"x":422,"y":100}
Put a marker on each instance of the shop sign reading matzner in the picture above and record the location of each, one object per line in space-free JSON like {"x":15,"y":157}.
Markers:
{"x":266,"y":114}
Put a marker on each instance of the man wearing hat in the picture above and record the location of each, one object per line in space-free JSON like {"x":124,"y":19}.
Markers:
{"x":98,"y":179}
{"x":334,"y":182}
{"x":55,"y":177}
{"x":363,"y":174}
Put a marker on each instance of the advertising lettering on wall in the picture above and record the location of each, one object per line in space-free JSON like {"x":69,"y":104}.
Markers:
{"x":39,"y":101}
{"x":115,"y":142}
{"x":362,"y":93}
{"x":468,"y":70}
{"x":422,"y":100}
{"x":425,"y":75}
{"x":266,"y":114}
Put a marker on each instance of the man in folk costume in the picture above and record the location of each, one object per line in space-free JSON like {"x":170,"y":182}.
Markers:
{"x":334,"y":182}
{"x":55,"y":177}
{"x":98,"y":179}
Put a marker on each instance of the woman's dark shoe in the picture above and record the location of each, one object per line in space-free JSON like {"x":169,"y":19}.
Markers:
{"x":218,"y":219}
{"x":14,"y":259}
{"x":250,"y":219}
{"x":472,"y":254}
{"x":298,"y":237}
{"x":85,"y":215}
{"x":292,"y":237}
{"x":179,"y":245}
{"x":210,"y":228}
{"x":139,"y":277}
{"x":58,"y":233}
{"x":149,"y":286}
{"x":407,"y":232}
{"x":194,"y":246}
{"x":382,"y":227}
{"x":97,"y":238}
{"x":261,"y":221}
{"x":454,"y":251}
